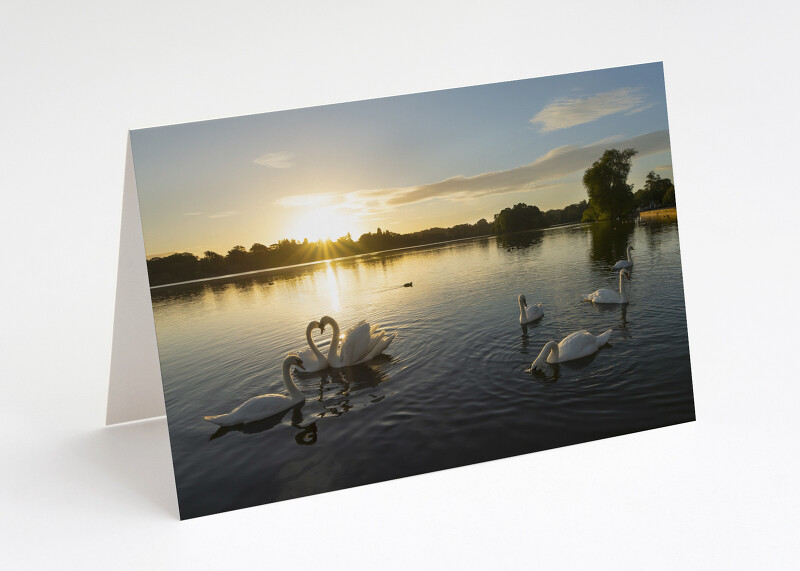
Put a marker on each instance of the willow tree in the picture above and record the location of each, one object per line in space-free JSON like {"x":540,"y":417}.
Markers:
{"x":606,"y":181}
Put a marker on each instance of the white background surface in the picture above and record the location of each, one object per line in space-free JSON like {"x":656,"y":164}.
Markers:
{"x":720,"y":492}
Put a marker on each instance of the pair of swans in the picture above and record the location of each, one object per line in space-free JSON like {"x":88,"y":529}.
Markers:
{"x":580,"y":343}
{"x":359,"y":344}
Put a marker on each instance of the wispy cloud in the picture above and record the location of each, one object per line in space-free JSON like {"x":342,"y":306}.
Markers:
{"x":661,"y":168}
{"x":225,"y":214}
{"x":276,"y":160}
{"x":565,"y":112}
{"x":544,"y":172}
{"x":191,"y":214}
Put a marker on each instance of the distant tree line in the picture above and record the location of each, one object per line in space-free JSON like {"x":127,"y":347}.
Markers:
{"x":185,"y":266}
{"x":522,"y":217}
{"x":606,"y":182}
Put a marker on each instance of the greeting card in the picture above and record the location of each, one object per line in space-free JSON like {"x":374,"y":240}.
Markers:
{"x":352,"y":293}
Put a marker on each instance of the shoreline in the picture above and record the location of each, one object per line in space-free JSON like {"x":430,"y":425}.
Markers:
{"x":660,"y":214}
{"x":365,"y":254}
{"x":419,"y":246}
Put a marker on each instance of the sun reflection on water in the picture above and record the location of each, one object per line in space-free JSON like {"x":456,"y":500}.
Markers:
{"x":333,"y":286}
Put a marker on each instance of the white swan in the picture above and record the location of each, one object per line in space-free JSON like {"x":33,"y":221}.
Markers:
{"x":528,"y":313}
{"x":313,"y":359}
{"x":573,"y":346}
{"x":264,"y":406}
{"x":622,"y":264}
{"x":359,"y":344}
{"x":610,"y":296}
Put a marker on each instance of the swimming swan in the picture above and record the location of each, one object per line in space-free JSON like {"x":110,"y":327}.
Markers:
{"x":610,"y":296}
{"x":622,"y":264}
{"x":573,"y":346}
{"x":528,"y":313}
{"x":359,"y":344}
{"x":264,"y":406}
{"x":313,"y":359}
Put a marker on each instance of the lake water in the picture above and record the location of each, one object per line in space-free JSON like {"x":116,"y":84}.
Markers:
{"x":450,"y":390}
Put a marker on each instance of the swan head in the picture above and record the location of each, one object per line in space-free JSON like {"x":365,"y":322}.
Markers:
{"x":540,"y":361}
{"x":625,"y":273}
{"x":325,"y":320}
{"x":294,"y":360}
{"x":522,"y":301}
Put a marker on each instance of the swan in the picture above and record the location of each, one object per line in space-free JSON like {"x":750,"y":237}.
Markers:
{"x":360,"y":343}
{"x":573,"y":346}
{"x":264,"y":406}
{"x":625,"y":263}
{"x":610,"y":296}
{"x":528,"y":313}
{"x":313,"y":359}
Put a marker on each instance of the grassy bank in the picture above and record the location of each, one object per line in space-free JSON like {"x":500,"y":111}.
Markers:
{"x":660,"y":214}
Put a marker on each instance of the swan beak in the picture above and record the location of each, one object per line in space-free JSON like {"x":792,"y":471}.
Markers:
{"x":300,"y":364}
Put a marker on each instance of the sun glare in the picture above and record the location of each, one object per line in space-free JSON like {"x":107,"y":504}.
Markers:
{"x":319,"y":224}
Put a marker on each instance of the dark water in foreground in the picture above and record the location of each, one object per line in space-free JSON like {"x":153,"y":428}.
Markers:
{"x":451,"y":389}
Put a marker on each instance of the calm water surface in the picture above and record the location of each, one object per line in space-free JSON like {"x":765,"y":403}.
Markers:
{"x":450,"y":390}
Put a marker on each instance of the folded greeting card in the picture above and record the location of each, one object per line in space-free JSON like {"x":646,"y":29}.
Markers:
{"x":352,"y":293}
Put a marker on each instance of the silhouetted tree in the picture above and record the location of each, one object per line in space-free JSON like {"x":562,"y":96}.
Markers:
{"x":236,"y":259}
{"x":520,"y":217}
{"x":212,"y":264}
{"x":606,"y":182}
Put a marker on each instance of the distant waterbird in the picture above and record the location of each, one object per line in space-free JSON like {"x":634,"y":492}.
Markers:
{"x":264,"y":406}
{"x":409,"y":284}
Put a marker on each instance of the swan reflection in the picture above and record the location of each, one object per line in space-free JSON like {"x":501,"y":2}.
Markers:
{"x":343,"y":390}
{"x":556,"y":369}
{"x":624,"y":323}
{"x":261,"y":425}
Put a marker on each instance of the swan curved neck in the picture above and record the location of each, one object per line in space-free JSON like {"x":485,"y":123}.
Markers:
{"x":311,"y":326}
{"x":553,"y":350}
{"x":551,"y":347}
{"x":291,"y":388}
{"x":333,"y":350}
{"x":629,"y":254}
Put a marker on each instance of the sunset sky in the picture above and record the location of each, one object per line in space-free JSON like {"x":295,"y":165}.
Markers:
{"x":400,"y":163}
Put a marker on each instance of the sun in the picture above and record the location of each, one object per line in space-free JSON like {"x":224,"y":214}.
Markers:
{"x":321,"y":223}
